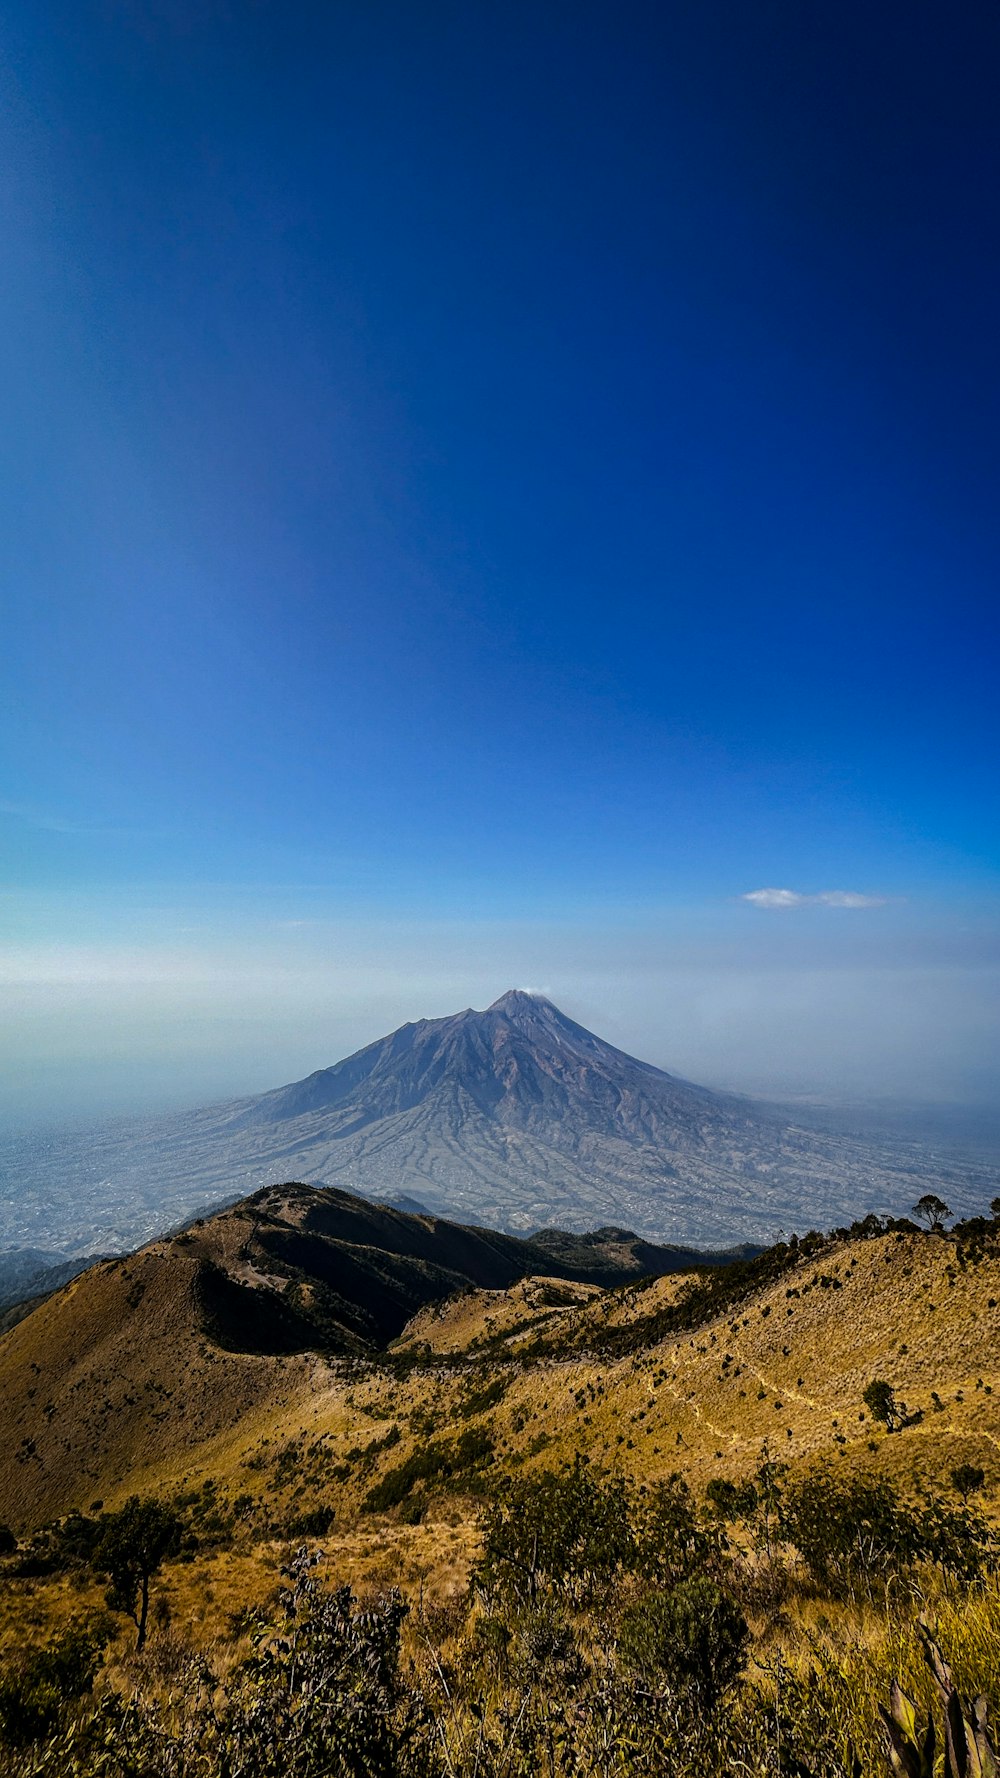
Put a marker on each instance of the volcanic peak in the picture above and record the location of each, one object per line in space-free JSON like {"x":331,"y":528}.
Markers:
{"x":522,"y":1001}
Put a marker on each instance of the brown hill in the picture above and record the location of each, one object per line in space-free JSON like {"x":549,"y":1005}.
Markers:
{"x":222,"y":1357}
{"x":140,"y":1360}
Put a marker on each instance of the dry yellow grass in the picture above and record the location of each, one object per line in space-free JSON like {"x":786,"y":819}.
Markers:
{"x":142,"y":1402}
{"x":112,"y":1377}
{"x":463,"y":1322}
{"x":121,"y":1392}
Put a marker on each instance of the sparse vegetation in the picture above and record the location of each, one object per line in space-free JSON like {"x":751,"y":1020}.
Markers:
{"x":571,"y":1532}
{"x":604,"y":1663}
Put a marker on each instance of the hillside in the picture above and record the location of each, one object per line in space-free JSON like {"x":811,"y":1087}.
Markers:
{"x":141,"y":1359}
{"x":515,"y":1117}
{"x":380,"y":1468}
{"x":249,"y":1352}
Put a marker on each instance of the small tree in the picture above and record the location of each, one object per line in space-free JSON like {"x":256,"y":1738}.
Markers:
{"x":995,"y":1209}
{"x":932,"y":1210}
{"x":131,"y":1549}
{"x":731,"y":1500}
{"x":967,"y":1479}
{"x":880,"y":1400}
{"x":769,"y":1478}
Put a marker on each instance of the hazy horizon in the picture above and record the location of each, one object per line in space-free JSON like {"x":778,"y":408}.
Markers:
{"x":854,"y":1005}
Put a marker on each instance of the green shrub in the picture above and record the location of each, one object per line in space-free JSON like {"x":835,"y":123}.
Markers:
{"x":548,"y":1648}
{"x":323,"y":1694}
{"x":849,"y":1530}
{"x":315,"y":1523}
{"x":670,"y":1540}
{"x":855,"y":1531}
{"x":967,"y":1479}
{"x":731,"y":1500}
{"x":694,"y":1637}
{"x":567,"y":1528}
{"x":40,"y":1681}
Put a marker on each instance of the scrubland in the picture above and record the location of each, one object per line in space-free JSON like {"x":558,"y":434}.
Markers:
{"x":554,"y":1529}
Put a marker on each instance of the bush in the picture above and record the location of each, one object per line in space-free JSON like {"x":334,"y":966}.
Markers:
{"x":730,"y":1500}
{"x":670,"y":1541}
{"x":567,"y":1528}
{"x":967,"y":1479}
{"x":849,"y":1531}
{"x":322,"y":1694}
{"x":694,"y":1636}
{"x":36,"y":1686}
{"x":855,"y":1531}
{"x":955,"y":1539}
{"x":547,"y":1648}
{"x":315,"y":1523}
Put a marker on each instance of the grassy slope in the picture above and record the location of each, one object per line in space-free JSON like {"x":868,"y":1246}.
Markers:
{"x":137,"y":1396}
{"x":276,"y":1429}
{"x":200,"y":1339}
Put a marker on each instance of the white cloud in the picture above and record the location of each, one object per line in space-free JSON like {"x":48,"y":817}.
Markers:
{"x":829,"y":898}
{"x":849,"y":898}
{"x":775,"y":898}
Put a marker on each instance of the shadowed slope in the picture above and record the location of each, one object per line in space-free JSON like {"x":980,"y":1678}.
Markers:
{"x":140,"y":1359}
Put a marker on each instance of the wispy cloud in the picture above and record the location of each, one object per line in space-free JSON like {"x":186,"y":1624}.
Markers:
{"x":47,"y":822}
{"x":828,"y":898}
{"x":39,"y":818}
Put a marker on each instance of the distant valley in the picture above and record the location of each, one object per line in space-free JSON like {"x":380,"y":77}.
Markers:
{"x":515,"y":1117}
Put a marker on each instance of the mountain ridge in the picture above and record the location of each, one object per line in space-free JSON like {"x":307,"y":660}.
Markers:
{"x":142,"y":1358}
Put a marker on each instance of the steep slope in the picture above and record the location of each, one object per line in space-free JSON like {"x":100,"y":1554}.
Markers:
{"x":22,"y":1283}
{"x":523,"y":1064}
{"x":19,"y":1265}
{"x":515,"y":1117}
{"x":140,"y":1360}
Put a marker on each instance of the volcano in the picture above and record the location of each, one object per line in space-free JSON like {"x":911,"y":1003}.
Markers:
{"x":519,"y":1117}
{"x":516,"y":1118}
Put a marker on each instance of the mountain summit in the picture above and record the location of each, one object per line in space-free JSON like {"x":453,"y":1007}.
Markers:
{"x":522,"y":1065}
{"x":516,"y":1117}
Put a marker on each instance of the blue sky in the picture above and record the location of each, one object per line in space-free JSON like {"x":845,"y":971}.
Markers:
{"x":520,"y":471}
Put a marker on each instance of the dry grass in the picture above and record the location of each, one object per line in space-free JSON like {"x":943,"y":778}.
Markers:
{"x":120,"y":1398}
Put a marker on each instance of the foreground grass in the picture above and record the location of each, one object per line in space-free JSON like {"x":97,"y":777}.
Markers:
{"x":375,"y":1655}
